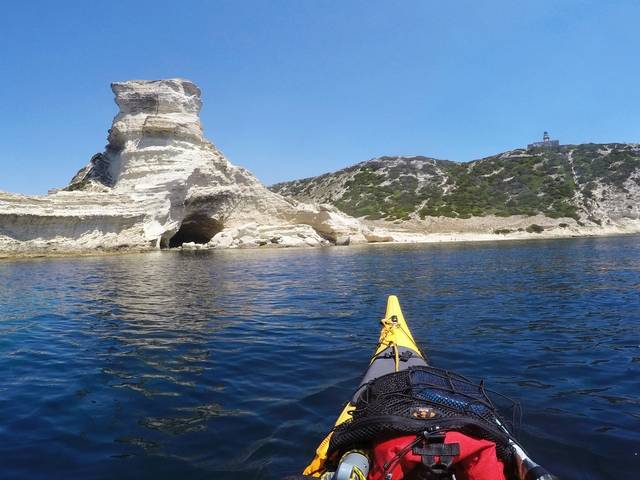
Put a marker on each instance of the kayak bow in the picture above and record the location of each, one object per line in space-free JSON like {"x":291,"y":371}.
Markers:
{"x":395,"y":338}
{"x":396,"y":351}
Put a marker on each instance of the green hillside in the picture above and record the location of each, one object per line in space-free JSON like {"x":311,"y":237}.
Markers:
{"x":567,"y":181}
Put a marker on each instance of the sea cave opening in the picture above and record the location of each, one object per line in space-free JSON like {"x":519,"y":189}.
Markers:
{"x":196,"y":228}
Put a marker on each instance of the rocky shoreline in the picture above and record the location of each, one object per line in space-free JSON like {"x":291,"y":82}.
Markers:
{"x":160,"y":184}
{"x":399,"y":238}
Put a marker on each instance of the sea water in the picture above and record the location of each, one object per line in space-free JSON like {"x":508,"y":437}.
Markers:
{"x":234,"y":364}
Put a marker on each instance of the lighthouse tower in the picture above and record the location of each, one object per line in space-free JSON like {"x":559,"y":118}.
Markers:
{"x":545,"y":143}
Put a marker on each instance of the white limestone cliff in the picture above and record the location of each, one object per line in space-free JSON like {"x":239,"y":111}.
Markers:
{"x":160,"y":183}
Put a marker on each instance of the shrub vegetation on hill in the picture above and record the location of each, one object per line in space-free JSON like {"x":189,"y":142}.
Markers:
{"x":520,"y":182}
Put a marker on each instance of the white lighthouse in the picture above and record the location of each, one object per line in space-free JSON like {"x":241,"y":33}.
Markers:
{"x":545,"y":143}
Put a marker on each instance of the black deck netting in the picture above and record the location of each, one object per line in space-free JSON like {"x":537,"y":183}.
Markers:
{"x":424,"y":398}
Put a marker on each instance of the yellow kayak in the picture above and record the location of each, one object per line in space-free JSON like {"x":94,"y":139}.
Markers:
{"x":396,"y":351}
{"x":396,"y":343}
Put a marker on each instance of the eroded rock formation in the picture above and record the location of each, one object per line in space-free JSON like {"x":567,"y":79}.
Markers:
{"x":160,"y":183}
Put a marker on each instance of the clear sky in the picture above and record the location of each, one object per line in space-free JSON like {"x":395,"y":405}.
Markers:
{"x":294,"y":88}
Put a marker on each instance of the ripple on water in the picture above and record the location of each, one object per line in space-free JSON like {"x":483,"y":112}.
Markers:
{"x":234,"y":364}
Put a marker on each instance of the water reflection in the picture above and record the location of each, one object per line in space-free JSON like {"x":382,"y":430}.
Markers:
{"x":220,"y":364}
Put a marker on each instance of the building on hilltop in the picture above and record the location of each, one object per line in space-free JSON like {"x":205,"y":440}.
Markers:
{"x":545,"y":143}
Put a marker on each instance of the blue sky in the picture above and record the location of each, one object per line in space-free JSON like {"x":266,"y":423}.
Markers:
{"x":294,"y":88}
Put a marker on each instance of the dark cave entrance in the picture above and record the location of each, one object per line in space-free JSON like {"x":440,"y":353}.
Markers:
{"x":197,"y":228}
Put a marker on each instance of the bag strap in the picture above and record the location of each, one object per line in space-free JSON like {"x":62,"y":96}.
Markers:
{"x":437,"y":456}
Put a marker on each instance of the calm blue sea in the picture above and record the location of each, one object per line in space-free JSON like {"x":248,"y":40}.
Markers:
{"x":233,"y":364}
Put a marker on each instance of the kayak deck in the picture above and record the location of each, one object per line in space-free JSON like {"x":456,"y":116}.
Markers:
{"x":396,"y":350}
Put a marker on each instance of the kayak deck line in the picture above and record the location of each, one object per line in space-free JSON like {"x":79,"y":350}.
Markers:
{"x":395,"y":329}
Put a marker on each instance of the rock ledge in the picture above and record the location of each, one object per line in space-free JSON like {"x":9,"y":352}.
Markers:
{"x":160,"y":183}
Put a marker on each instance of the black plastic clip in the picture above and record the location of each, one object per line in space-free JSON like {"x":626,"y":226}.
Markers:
{"x":402,"y":356}
{"x":405,"y":356}
{"x":437,"y":456}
